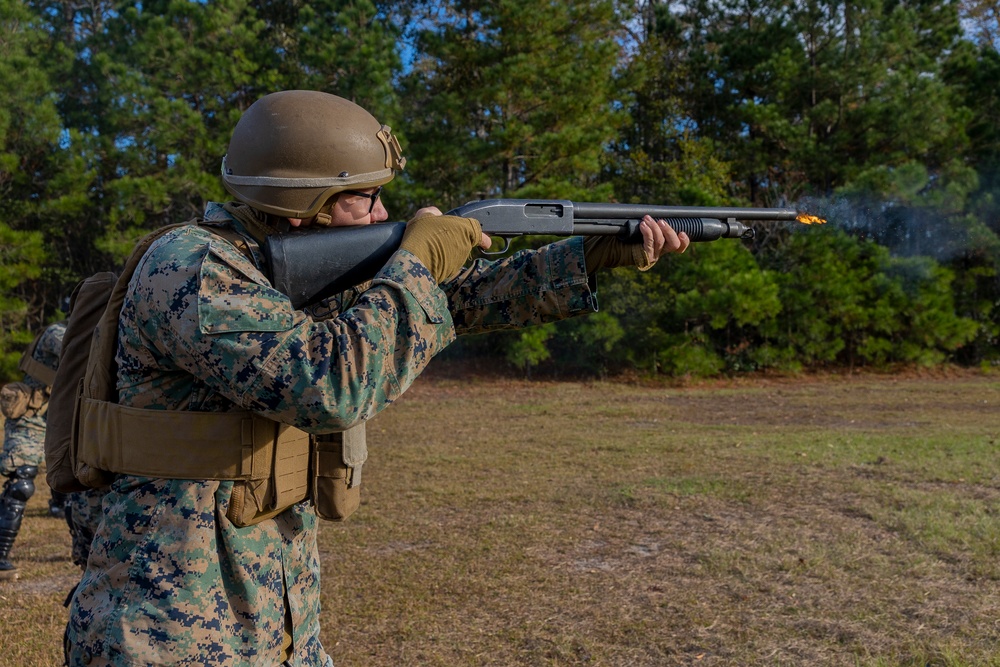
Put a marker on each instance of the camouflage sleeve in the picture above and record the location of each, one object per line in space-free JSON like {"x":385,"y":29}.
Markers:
{"x":529,"y":287}
{"x":199,"y":316}
{"x":50,"y":344}
{"x":47,"y":351}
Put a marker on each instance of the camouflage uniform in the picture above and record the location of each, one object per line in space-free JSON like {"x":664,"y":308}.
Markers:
{"x":83,"y":514}
{"x":24,"y":406}
{"x":24,"y":437}
{"x":24,"y":440}
{"x":170,"y":578}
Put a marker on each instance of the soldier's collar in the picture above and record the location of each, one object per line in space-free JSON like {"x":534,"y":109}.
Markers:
{"x":257,"y":223}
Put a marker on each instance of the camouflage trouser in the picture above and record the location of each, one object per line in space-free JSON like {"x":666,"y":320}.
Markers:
{"x":83,"y":514}
{"x":23,"y":443}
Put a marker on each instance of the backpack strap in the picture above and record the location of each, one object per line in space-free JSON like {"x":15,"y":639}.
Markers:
{"x":232,"y":236}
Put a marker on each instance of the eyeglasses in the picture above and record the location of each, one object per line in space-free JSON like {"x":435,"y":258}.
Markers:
{"x":368,"y":195}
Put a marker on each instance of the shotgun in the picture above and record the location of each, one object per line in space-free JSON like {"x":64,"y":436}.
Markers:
{"x":309,"y":265}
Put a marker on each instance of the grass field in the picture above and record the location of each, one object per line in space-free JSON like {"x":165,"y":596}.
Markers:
{"x":814,"y":521}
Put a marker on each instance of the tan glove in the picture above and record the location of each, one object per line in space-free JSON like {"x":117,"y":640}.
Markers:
{"x":607,"y":252}
{"x":442,"y":243}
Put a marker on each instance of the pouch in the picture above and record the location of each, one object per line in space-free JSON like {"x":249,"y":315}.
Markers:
{"x":336,"y":470}
{"x":254,"y":500}
{"x":20,"y":400}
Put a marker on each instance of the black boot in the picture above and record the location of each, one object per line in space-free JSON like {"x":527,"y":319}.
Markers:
{"x":57,"y":505}
{"x":19,"y":488}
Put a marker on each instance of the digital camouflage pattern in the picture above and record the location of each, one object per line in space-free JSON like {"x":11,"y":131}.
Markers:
{"x":24,"y":437}
{"x":170,"y":579}
{"x":83,"y":515}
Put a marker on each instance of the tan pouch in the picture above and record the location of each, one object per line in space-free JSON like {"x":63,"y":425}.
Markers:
{"x":14,"y":399}
{"x":20,"y":400}
{"x":337,"y":462}
{"x":254,"y":500}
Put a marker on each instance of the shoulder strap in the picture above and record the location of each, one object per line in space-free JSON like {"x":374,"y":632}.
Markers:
{"x":232,"y":236}
{"x":268,"y":461}
{"x":100,"y":381}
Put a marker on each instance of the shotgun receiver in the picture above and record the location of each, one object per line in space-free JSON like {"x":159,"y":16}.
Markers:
{"x":313,"y":264}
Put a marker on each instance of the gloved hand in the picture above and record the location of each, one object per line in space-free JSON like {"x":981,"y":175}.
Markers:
{"x":442,"y":243}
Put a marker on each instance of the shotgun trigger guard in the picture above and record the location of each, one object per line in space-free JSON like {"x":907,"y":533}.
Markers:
{"x":506,"y":246}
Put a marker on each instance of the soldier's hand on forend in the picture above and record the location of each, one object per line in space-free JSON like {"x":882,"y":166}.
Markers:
{"x":658,"y":239}
{"x":442,"y":242}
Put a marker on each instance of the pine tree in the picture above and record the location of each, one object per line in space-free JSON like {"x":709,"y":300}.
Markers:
{"x":805,"y":96}
{"x":660,"y":156}
{"x":513,"y":98}
{"x":39,"y":183}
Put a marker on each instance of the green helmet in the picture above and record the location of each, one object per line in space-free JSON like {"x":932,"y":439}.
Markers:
{"x":291,"y":151}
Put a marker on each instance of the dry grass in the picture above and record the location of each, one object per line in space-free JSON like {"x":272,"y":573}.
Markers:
{"x":824,"y":521}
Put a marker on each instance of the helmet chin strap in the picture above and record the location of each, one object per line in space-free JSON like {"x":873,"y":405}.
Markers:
{"x":324,"y":217}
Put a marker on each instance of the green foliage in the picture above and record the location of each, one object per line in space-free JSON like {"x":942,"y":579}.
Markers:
{"x":849,"y":302}
{"x":818,"y":298}
{"x":922,"y":309}
{"x":21,"y":257}
{"x":590,"y":346}
{"x":975,"y":297}
{"x":802,"y":96}
{"x":657,"y":158}
{"x":824,"y":277}
{"x":708,"y":303}
{"x":528,"y":349}
{"x":21,"y":254}
{"x":689,"y":355}
{"x":31,"y":167}
{"x":115,"y":115}
{"x":509,"y":99}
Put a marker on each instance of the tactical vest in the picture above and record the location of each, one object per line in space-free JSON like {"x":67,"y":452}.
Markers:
{"x":273,"y":465}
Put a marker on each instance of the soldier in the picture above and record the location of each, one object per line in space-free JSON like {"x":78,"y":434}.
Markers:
{"x":199,"y":568}
{"x":24,"y":405}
